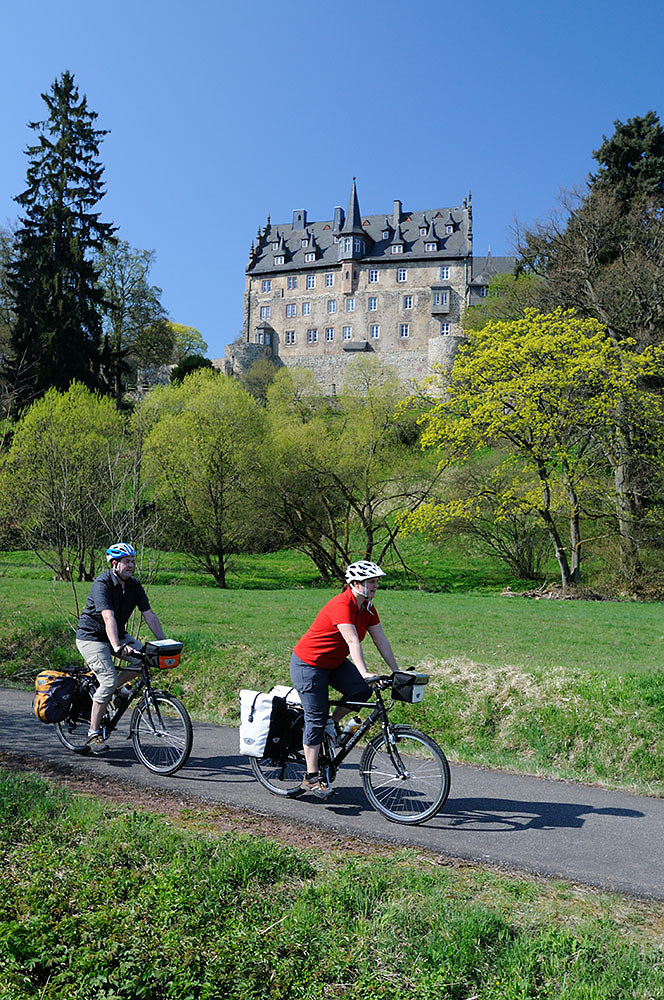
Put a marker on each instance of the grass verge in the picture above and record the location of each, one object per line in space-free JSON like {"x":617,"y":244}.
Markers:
{"x":100,"y":901}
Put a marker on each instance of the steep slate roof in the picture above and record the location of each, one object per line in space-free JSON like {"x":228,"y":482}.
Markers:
{"x":450,"y":246}
{"x":486,"y":268}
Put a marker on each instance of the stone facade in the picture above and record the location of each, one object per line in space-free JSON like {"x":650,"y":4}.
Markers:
{"x":318,"y":294}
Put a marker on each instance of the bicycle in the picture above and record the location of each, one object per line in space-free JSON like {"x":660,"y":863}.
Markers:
{"x":405,"y":774}
{"x":160,"y":728}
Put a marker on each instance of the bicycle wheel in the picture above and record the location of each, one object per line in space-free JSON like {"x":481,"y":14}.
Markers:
{"x":281,"y":777}
{"x":161,"y":733}
{"x":73,"y":731}
{"x":414,"y":792}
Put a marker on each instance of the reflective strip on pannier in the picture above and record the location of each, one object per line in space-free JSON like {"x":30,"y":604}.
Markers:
{"x":54,"y":691}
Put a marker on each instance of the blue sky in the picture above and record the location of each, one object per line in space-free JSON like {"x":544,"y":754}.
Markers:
{"x":220,"y":113}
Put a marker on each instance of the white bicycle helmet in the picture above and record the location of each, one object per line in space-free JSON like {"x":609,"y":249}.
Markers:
{"x":119,"y":550}
{"x":363,"y":570}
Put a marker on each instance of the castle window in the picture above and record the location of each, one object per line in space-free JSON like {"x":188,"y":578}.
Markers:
{"x":290,"y":336}
{"x":444,"y":328}
{"x":374,"y":331}
{"x":373,"y":303}
{"x":265,"y":312}
{"x":329,"y":280}
{"x":309,"y":257}
{"x":359,"y":246}
{"x":348,"y":332}
{"x":291,"y":282}
{"x":373,"y":276}
{"x":402,"y":274}
{"x":408,"y":301}
{"x":397,"y":248}
{"x":350,"y":305}
{"x":311,"y":281}
{"x":404,"y":330}
{"x":348,"y":244}
{"x":444,"y":273}
{"x":312,"y":336}
{"x":430,"y":246}
{"x":306,"y":308}
{"x":440,"y":298}
{"x":291,"y":309}
{"x":266,"y":285}
{"x":280,"y":259}
{"x":484,"y":291}
{"x":329,"y":333}
{"x":331,"y":306}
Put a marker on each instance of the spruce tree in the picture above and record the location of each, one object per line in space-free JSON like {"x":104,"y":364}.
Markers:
{"x":58,"y":302}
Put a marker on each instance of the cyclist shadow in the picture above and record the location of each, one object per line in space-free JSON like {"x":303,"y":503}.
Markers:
{"x":499,"y":815}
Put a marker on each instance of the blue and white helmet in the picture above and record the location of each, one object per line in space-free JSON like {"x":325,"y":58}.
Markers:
{"x":357,"y":572}
{"x":119,"y":550}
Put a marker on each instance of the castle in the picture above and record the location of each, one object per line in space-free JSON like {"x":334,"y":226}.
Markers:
{"x":319,"y":293}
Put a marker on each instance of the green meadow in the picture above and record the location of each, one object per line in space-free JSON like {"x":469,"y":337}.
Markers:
{"x":101,"y":902}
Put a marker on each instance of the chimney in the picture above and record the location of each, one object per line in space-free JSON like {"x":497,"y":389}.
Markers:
{"x":396,"y":215}
{"x":338,"y":218}
{"x":299,"y":218}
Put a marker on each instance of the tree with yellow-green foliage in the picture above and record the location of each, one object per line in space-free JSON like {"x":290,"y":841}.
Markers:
{"x":64,"y":480}
{"x":546,"y":389}
{"x":203,"y":438}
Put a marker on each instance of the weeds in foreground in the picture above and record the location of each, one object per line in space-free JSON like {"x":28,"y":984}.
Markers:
{"x":106,"y":902}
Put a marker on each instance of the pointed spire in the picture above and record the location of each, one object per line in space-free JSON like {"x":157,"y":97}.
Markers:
{"x":353,"y":223}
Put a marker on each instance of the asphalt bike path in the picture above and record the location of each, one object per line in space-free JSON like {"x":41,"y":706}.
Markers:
{"x":611,"y":840}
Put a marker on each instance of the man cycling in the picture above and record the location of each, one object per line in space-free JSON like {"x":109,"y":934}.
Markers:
{"x":320,"y":659}
{"x":100,"y":634}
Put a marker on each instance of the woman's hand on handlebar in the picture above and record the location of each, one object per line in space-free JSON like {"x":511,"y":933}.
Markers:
{"x":381,"y":681}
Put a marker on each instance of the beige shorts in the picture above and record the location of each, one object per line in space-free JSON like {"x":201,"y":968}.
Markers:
{"x":98,"y":657}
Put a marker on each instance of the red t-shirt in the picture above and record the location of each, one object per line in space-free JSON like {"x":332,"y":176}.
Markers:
{"x":323,"y":645}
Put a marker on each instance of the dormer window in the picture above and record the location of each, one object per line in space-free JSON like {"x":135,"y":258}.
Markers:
{"x":309,"y":257}
{"x":279,"y":259}
{"x":305,"y":242}
{"x":423,"y":230}
{"x":397,"y":248}
{"x":449,"y":229}
{"x":275,"y":245}
{"x":430,"y":246}
{"x":386,"y":234}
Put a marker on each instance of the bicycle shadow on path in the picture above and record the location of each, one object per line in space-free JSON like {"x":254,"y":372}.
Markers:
{"x":483,"y":814}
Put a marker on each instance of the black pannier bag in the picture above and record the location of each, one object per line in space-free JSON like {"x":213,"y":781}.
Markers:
{"x":408,"y":685}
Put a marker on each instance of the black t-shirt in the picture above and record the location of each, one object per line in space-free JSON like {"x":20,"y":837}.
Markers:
{"x":106,"y":594}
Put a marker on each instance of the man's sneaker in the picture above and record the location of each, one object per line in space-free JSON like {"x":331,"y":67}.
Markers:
{"x":316,"y":786}
{"x":97,"y":743}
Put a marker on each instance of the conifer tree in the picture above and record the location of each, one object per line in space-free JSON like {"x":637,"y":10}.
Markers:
{"x":57,"y":335}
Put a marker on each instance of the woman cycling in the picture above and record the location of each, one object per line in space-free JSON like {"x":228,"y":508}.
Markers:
{"x":320,"y":658}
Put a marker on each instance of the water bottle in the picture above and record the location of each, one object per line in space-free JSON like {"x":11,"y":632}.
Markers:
{"x":351,"y":727}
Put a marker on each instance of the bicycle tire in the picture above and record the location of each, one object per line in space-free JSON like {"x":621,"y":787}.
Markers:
{"x":281,"y":777}
{"x":421,"y":792}
{"x":73,"y":731}
{"x":161,"y":733}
